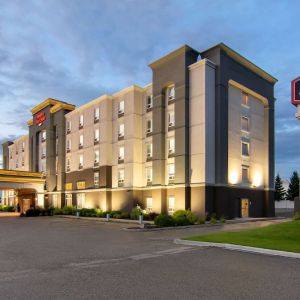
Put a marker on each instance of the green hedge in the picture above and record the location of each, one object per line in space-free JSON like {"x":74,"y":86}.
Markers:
{"x":7,"y":208}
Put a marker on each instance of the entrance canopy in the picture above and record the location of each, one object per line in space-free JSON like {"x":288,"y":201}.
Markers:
{"x":17,"y":180}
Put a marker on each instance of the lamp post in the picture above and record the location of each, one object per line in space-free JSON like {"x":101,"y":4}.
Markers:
{"x":295,"y":99}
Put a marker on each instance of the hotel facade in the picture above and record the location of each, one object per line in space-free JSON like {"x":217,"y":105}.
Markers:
{"x":199,"y":137}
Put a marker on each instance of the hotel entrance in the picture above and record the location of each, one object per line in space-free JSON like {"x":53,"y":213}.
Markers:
{"x":244,"y":208}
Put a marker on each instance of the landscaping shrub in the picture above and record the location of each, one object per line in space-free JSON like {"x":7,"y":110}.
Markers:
{"x":69,"y":210}
{"x":115,"y":214}
{"x":7,"y":208}
{"x":136,"y":212}
{"x":184,"y":217}
{"x":88,"y":212}
{"x":297,"y":216}
{"x":32,"y":212}
{"x":164,"y":221}
{"x":150,"y":216}
{"x":213,"y":219}
{"x":201,"y":220}
{"x":57,"y":211}
{"x":99,"y":212}
{"x":222,"y":219}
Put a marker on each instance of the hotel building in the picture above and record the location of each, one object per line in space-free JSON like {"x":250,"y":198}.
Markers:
{"x":199,"y":137}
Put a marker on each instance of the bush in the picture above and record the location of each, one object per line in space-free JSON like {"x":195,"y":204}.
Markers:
{"x":222,"y":219}
{"x":69,"y":210}
{"x":7,"y":208}
{"x":201,"y":220}
{"x":213,"y":219}
{"x":136,"y":212}
{"x":33,"y":212}
{"x":57,"y":211}
{"x":150,"y":216}
{"x":115,"y":214}
{"x":184,"y":217}
{"x":88,"y":212}
{"x":297,"y":216}
{"x":164,"y":221}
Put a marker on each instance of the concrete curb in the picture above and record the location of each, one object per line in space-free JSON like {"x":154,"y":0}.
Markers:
{"x":239,"y":248}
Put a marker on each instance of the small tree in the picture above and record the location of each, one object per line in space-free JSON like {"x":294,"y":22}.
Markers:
{"x":279,"y":189}
{"x":293,"y":190}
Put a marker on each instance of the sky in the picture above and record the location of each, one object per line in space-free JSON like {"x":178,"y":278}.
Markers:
{"x":75,"y":51}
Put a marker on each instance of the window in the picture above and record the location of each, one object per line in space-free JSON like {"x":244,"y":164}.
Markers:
{"x":56,"y":165}
{"x":121,"y":107}
{"x":80,"y":162}
{"x":96,"y":114}
{"x":81,"y":141}
{"x":121,"y":177}
{"x":80,"y":121}
{"x":171,"y":205}
{"x":54,"y":200}
{"x":171,"y":93}
{"x":68,"y":164}
{"x":80,"y":199}
{"x":23,"y":161}
{"x":149,"y":175}
{"x":171,"y":145}
{"x":43,"y":136}
{"x":149,"y":150}
{"x":171,"y":173}
{"x":171,"y":119}
{"x":245,"y":99}
{"x":97,"y":158}
{"x":96,"y":136}
{"x":43,"y":154}
{"x":245,"y":124}
{"x":68,"y":127}
{"x":245,"y":173}
{"x":68,"y":199}
{"x":17,"y":163}
{"x":56,"y":147}
{"x":43,"y":166}
{"x":23,"y":146}
{"x":96,"y":179}
{"x":121,"y":130}
{"x":149,"y":102}
{"x":121,"y":153}
{"x":149,"y":126}
{"x":149,"y":204}
{"x":245,"y":149}
{"x":68,"y":145}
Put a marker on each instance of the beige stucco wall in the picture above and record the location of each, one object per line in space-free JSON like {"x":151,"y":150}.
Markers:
{"x":15,"y":148}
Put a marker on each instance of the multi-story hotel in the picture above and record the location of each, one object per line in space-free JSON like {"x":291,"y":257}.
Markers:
{"x":199,"y":137}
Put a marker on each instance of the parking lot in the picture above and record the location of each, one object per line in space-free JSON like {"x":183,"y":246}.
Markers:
{"x":58,"y":258}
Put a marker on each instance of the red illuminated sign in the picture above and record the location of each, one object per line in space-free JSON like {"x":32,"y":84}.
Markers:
{"x":296,"y":91}
{"x":40,"y":118}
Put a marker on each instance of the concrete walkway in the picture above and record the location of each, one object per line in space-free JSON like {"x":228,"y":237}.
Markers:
{"x":9,"y":214}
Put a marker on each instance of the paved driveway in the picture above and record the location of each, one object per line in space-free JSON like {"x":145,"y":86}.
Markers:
{"x":56,"y":258}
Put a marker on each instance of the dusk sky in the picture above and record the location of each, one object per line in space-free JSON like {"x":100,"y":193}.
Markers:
{"x":78,"y":50}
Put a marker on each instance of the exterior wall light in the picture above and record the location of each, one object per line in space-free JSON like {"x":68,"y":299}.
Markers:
{"x":233,"y":177}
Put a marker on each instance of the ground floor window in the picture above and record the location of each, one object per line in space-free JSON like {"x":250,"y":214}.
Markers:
{"x":171,"y":205}
{"x":149,"y":204}
{"x":68,"y":199}
{"x":54,"y":201}
{"x":80,"y":200}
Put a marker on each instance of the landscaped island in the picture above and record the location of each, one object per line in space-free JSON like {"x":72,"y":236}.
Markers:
{"x":283,"y":237}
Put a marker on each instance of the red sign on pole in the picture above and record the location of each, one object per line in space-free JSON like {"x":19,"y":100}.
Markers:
{"x":296,"y":91}
{"x":40,"y":118}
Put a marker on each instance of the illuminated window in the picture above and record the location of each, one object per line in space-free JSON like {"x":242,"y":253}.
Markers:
{"x":68,"y":199}
{"x":43,"y":138}
{"x":80,"y":162}
{"x":245,"y":149}
{"x":171,"y":119}
{"x":69,"y":145}
{"x":245,"y":173}
{"x":149,"y":126}
{"x":97,"y":157}
{"x":121,"y":107}
{"x":245,"y":99}
{"x":171,"y":205}
{"x":81,"y":141}
{"x":96,"y":179}
{"x":97,"y":114}
{"x":171,"y":145}
{"x":68,"y":127}
{"x":68,"y":164}
{"x":121,"y":153}
{"x":96,"y":135}
{"x":23,"y":146}
{"x":149,"y":204}
{"x":80,"y":200}
{"x":149,"y":102}
{"x":149,"y":150}
{"x":121,"y":130}
{"x":81,"y":121}
{"x":121,"y":177}
{"x":245,"y":124}
{"x":171,"y":93}
{"x":171,"y":173}
{"x":149,"y":175}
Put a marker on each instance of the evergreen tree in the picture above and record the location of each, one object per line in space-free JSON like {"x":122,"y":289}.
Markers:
{"x":293,"y":190}
{"x":279,"y":189}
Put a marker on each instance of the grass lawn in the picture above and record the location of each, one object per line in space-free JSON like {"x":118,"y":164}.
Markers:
{"x":283,"y":236}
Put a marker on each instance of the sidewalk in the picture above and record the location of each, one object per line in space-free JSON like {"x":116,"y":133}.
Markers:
{"x":9,"y":214}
